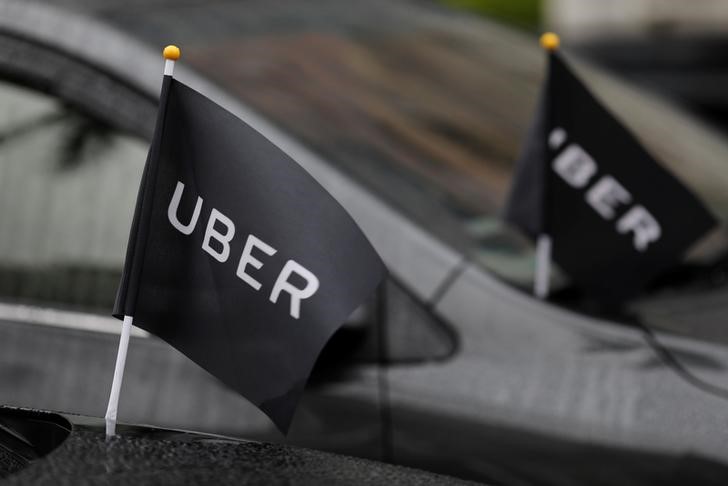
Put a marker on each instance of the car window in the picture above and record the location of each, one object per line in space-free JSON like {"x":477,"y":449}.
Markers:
{"x":67,"y":189}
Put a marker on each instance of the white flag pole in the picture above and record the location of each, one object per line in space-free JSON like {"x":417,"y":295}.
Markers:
{"x":542,"y":278}
{"x":113,"y":406}
{"x":543,"y":267}
{"x":171,"y":54}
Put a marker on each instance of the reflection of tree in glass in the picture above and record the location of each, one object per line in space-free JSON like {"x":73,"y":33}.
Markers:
{"x":28,"y":127}
{"x":525,"y":14}
{"x":83,"y":135}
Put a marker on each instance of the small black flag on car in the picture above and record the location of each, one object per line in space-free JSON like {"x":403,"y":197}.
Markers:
{"x":237,"y":257}
{"x":616,"y":218}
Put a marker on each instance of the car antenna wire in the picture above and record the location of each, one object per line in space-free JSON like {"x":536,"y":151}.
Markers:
{"x":385,"y":408}
{"x":447,"y":282}
{"x":672,"y":362}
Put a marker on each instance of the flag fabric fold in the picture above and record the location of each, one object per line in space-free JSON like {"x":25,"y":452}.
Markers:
{"x":616,"y":217}
{"x":237,"y":257}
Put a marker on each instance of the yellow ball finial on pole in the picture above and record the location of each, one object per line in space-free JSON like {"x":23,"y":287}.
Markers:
{"x":171,"y":53}
{"x":550,"y":41}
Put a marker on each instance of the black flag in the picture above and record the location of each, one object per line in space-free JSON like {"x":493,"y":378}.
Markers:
{"x":237,"y":257}
{"x":616,"y":217}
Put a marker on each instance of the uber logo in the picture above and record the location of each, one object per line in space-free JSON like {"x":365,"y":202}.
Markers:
{"x":220,"y":231}
{"x":605,"y":195}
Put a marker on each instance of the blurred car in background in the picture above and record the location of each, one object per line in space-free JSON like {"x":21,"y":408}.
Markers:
{"x":410,"y":114}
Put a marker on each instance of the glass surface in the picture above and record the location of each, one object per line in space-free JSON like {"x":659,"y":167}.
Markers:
{"x":428,"y":109}
{"x":68,"y":184}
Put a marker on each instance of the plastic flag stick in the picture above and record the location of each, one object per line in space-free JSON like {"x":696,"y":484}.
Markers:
{"x":543,"y":267}
{"x":171,"y":54}
{"x":113,"y":406}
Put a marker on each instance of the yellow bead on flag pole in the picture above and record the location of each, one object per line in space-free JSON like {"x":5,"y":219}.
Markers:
{"x":550,"y":41}
{"x":170,"y":53}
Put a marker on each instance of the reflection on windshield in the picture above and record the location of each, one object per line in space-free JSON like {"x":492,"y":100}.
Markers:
{"x":422,"y":118}
{"x":67,"y":190}
{"x":400,"y":129}
{"x":429,"y":112}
